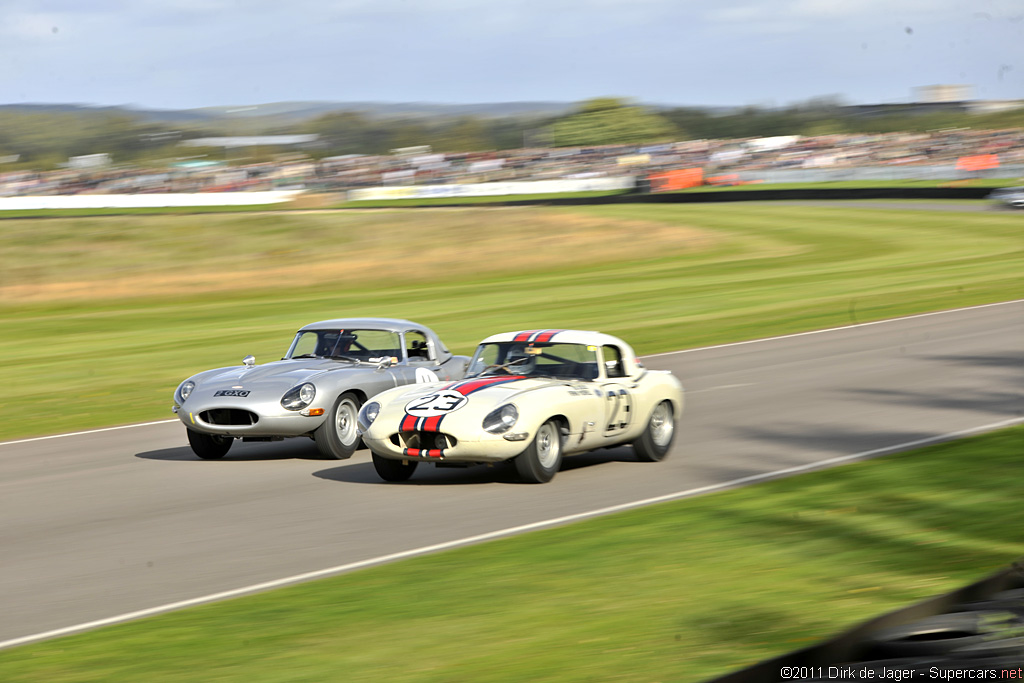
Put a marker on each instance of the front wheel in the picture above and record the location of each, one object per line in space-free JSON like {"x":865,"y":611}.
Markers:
{"x":541,"y":460}
{"x":208,"y":446}
{"x":337,"y":438}
{"x":654,"y":443}
{"x":393,"y":470}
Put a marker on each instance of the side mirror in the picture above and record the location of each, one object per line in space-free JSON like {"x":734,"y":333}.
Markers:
{"x":249,"y":361}
{"x":387,"y":363}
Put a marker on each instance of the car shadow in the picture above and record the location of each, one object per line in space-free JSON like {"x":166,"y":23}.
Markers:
{"x":289,"y":449}
{"x":425,"y":475}
{"x":428,"y":474}
{"x":599,"y":457}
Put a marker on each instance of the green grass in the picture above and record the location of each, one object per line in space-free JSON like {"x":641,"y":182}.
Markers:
{"x":101,"y":318}
{"x":679,"y":591}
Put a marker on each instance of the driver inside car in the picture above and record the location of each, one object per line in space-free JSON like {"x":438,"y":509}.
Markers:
{"x":519,"y":362}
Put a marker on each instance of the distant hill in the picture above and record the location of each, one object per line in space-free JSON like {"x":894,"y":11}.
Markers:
{"x":295,"y":112}
{"x":145,"y":114}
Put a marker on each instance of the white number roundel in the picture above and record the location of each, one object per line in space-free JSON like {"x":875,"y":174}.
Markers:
{"x":425,"y":376}
{"x":438,"y":403}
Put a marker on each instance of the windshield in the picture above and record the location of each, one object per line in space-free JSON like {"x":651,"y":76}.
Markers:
{"x":561,"y":361}
{"x":352,"y":345}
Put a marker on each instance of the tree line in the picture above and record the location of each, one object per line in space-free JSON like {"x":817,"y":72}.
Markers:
{"x":43,"y":141}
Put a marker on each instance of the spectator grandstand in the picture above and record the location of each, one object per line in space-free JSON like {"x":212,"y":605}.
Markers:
{"x":937,"y":154}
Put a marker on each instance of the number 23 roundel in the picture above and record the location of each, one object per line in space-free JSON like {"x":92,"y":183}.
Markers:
{"x":438,"y":403}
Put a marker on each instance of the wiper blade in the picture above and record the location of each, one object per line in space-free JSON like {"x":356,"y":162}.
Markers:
{"x":350,"y":359}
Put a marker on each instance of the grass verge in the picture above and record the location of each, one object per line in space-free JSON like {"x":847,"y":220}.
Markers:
{"x":680,"y":591}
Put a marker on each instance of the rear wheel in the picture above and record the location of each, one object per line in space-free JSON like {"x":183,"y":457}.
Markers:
{"x":393,"y":470}
{"x":541,"y":460}
{"x":337,"y":438}
{"x":208,"y":446}
{"x":654,"y":443}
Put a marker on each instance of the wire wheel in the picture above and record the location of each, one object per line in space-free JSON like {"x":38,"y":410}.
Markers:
{"x":654,"y":444}
{"x":540,"y":461}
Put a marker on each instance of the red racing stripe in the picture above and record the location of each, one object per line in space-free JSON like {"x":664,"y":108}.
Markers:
{"x":423,"y":452}
{"x":546,"y":335}
{"x":469,"y":386}
{"x":408,"y":423}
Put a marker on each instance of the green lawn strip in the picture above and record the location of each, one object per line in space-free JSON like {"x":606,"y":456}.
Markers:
{"x":770,"y":270}
{"x":679,"y":591}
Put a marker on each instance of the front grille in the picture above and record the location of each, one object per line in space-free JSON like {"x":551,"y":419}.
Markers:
{"x":229,"y":417}
{"x":435,"y":440}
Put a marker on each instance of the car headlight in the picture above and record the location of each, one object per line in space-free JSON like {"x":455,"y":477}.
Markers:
{"x":367,"y":415}
{"x":501,"y":420}
{"x":298,"y":397}
{"x":184,"y":389}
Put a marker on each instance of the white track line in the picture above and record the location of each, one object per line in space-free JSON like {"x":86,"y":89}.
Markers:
{"x":502,"y":533}
{"x":90,"y":431}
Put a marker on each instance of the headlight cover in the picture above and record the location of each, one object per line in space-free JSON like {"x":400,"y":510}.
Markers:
{"x":184,"y":389}
{"x":501,"y":420}
{"x":367,"y":415}
{"x":298,"y":397}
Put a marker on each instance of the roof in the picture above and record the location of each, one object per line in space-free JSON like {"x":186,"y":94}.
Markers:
{"x":589,"y":337}
{"x":386,"y":324}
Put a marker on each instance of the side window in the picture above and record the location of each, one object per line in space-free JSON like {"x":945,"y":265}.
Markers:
{"x":613,"y":361}
{"x":416,"y":346}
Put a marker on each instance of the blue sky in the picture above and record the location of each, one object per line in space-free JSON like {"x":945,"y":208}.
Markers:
{"x":179,"y":54}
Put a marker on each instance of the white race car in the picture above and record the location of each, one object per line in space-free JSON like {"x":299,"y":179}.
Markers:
{"x":532,"y":396}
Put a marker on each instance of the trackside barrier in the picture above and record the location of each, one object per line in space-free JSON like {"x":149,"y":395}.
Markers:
{"x":735,"y":196}
{"x":494,"y":189}
{"x":816,"y":193}
{"x":977,"y":630}
{"x":142,"y":201}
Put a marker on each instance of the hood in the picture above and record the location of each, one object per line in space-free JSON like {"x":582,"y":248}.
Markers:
{"x":488,"y":391}
{"x":278,"y":376}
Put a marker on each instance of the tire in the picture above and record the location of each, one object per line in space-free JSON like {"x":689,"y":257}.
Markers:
{"x":393,"y":470}
{"x":543,"y":457}
{"x":337,"y":438}
{"x":208,"y":446}
{"x":654,"y":444}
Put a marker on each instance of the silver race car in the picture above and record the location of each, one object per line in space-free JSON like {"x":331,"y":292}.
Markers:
{"x":331,"y":368}
{"x":531,"y":397}
{"x":1007,"y":197}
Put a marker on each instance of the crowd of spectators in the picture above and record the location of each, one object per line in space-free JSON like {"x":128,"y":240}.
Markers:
{"x":423,"y":166}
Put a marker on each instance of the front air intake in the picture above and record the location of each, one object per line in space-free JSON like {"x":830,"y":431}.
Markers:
{"x":229,"y":417}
